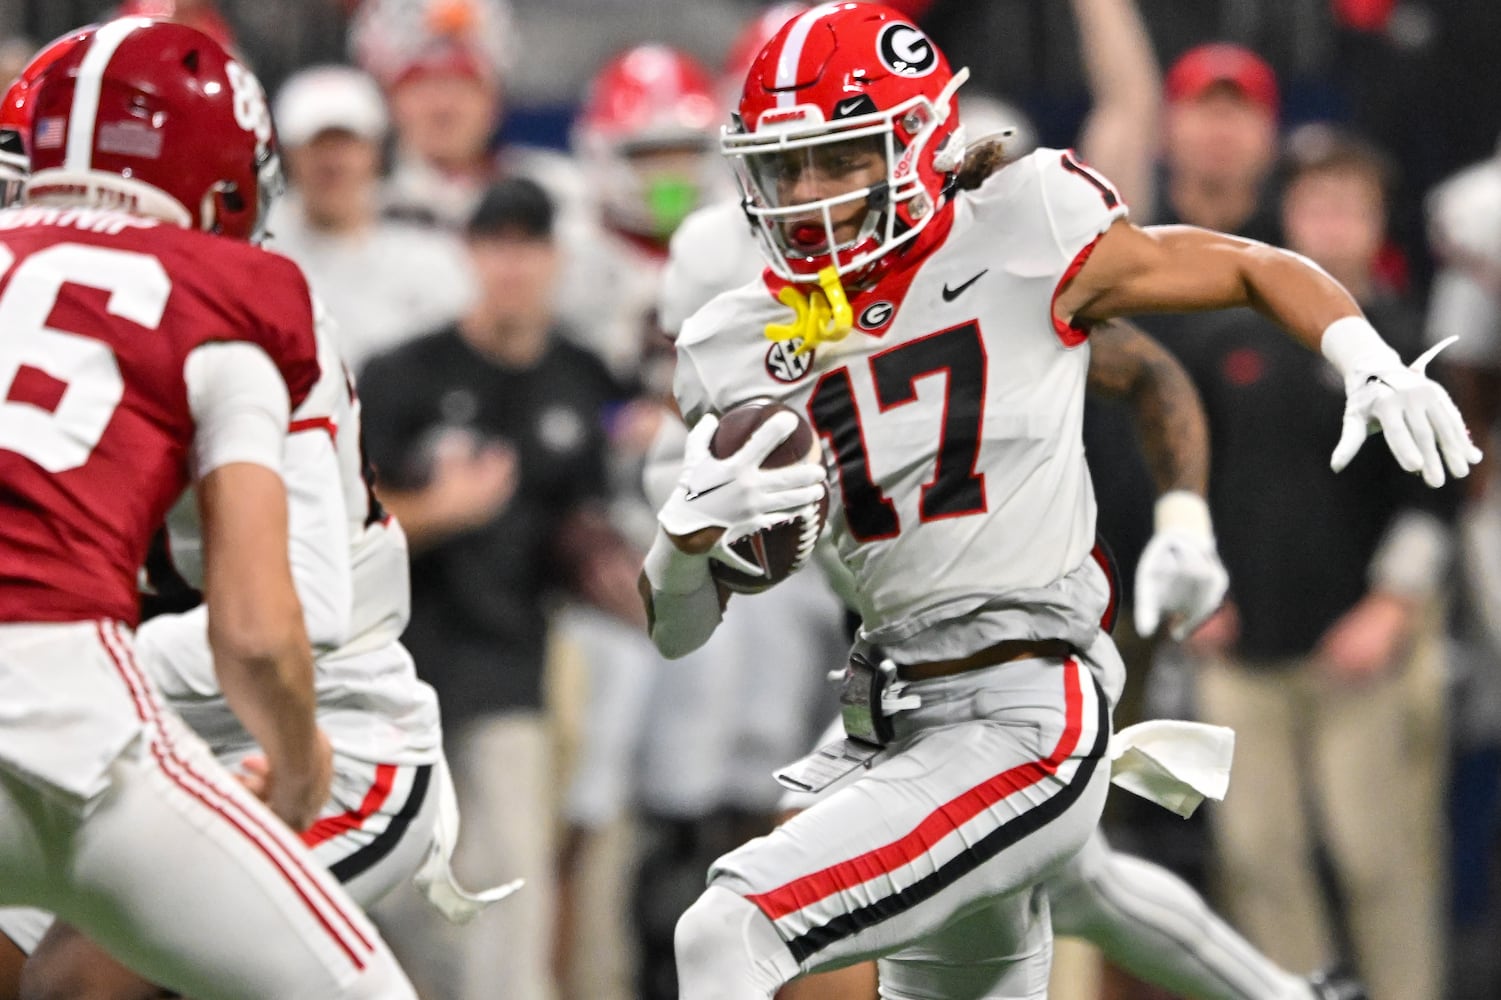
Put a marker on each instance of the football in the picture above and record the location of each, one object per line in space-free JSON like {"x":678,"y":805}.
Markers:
{"x":783,"y":548}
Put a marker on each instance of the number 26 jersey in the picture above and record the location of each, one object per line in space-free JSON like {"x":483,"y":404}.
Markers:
{"x":953,"y":413}
{"x":99,"y":314}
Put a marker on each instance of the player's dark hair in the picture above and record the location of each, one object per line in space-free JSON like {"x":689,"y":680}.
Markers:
{"x":980,"y":161}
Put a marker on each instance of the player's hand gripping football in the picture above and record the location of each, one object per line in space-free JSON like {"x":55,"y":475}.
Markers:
{"x":1422,"y":425}
{"x":1180,"y":575}
{"x":720,"y":500}
{"x":296,"y":795}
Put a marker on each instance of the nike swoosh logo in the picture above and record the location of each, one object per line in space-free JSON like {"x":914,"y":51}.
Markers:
{"x":695,"y":494}
{"x":848,"y":106}
{"x":950,"y":294}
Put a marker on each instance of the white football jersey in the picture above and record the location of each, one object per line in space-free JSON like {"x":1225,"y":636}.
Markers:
{"x":713,"y":251}
{"x":954,"y":411}
{"x":349,"y":564}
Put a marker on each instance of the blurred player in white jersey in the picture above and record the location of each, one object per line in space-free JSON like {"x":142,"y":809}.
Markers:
{"x":142,"y":362}
{"x":644,"y":140}
{"x":941,"y":309}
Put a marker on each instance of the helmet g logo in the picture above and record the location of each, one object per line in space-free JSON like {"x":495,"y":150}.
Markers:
{"x":906,"y":51}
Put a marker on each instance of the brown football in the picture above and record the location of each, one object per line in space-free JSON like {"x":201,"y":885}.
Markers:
{"x":783,"y":548}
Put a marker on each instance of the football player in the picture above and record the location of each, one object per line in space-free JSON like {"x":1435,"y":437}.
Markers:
{"x":152,"y":344}
{"x":349,"y":566}
{"x":943,"y":301}
{"x":1141,"y":916}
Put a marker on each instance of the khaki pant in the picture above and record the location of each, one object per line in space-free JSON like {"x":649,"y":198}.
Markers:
{"x":1358,"y":770}
{"x":503,"y":775}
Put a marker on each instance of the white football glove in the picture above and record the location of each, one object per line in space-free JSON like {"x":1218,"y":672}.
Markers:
{"x":1421,"y":424}
{"x":1180,"y":573}
{"x":735,"y":493}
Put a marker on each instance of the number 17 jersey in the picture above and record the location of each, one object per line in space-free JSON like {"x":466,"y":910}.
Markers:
{"x":99,"y":314}
{"x":953,"y":413}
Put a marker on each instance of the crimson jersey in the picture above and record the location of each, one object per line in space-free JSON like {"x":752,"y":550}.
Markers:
{"x":99,"y":312}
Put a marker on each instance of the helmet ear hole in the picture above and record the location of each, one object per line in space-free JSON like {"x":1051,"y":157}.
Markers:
{"x":190,"y":61}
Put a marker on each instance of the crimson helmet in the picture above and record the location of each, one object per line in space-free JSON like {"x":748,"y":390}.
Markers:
{"x":835,"y":86}
{"x":15,"y":118}
{"x":649,"y":100}
{"x":156,"y":118}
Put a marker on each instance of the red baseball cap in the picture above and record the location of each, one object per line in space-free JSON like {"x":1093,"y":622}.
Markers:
{"x":1202,"y":67}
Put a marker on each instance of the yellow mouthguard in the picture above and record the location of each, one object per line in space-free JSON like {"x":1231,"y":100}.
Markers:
{"x":820,"y":316}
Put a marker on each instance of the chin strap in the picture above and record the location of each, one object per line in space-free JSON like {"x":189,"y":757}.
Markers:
{"x":820,"y":316}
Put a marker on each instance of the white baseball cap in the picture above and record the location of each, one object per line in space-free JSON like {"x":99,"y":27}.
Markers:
{"x":325,"y":98}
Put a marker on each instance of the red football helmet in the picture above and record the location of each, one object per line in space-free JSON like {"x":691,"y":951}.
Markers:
{"x":646,"y":132}
{"x":15,"y":118}
{"x":836,"y":86}
{"x":752,"y":39}
{"x":156,"y":118}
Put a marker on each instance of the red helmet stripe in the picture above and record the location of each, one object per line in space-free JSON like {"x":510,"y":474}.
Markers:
{"x":81,"y":119}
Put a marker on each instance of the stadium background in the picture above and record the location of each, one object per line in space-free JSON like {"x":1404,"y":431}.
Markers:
{"x":1417,"y":78}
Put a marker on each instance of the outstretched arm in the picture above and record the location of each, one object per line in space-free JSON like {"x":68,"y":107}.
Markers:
{"x":1185,"y":269}
{"x":1180,"y":574}
{"x":1125,"y":86}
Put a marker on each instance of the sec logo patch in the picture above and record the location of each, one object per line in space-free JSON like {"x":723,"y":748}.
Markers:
{"x":783,"y":364}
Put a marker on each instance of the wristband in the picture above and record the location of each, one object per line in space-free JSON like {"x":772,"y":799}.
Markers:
{"x":1185,"y":511}
{"x":670,"y":570}
{"x":1353,"y":346}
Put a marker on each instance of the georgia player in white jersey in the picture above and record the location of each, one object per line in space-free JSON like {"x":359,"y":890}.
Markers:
{"x":151,"y":343}
{"x":1143,"y":918}
{"x":939,"y":344}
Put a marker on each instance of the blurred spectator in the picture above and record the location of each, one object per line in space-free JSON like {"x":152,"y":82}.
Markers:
{"x":442,"y":64}
{"x":1220,"y":141}
{"x":490,"y":448}
{"x":1326,"y":658}
{"x":15,"y":53}
{"x":201,"y":14}
{"x":382,"y":281}
{"x":1465,"y":223}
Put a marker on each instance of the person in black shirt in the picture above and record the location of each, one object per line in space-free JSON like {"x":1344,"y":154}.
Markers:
{"x":489,"y":443}
{"x":1325,"y":658}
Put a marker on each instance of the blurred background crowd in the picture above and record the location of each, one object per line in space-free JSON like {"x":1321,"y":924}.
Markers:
{"x":482,"y":193}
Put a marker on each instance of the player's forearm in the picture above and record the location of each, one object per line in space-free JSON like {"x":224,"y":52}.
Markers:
{"x":1295,"y":293}
{"x":1120,"y":135}
{"x":683,"y":603}
{"x":268,"y":684}
{"x":255,"y":623}
{"x":1126,"y":364}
